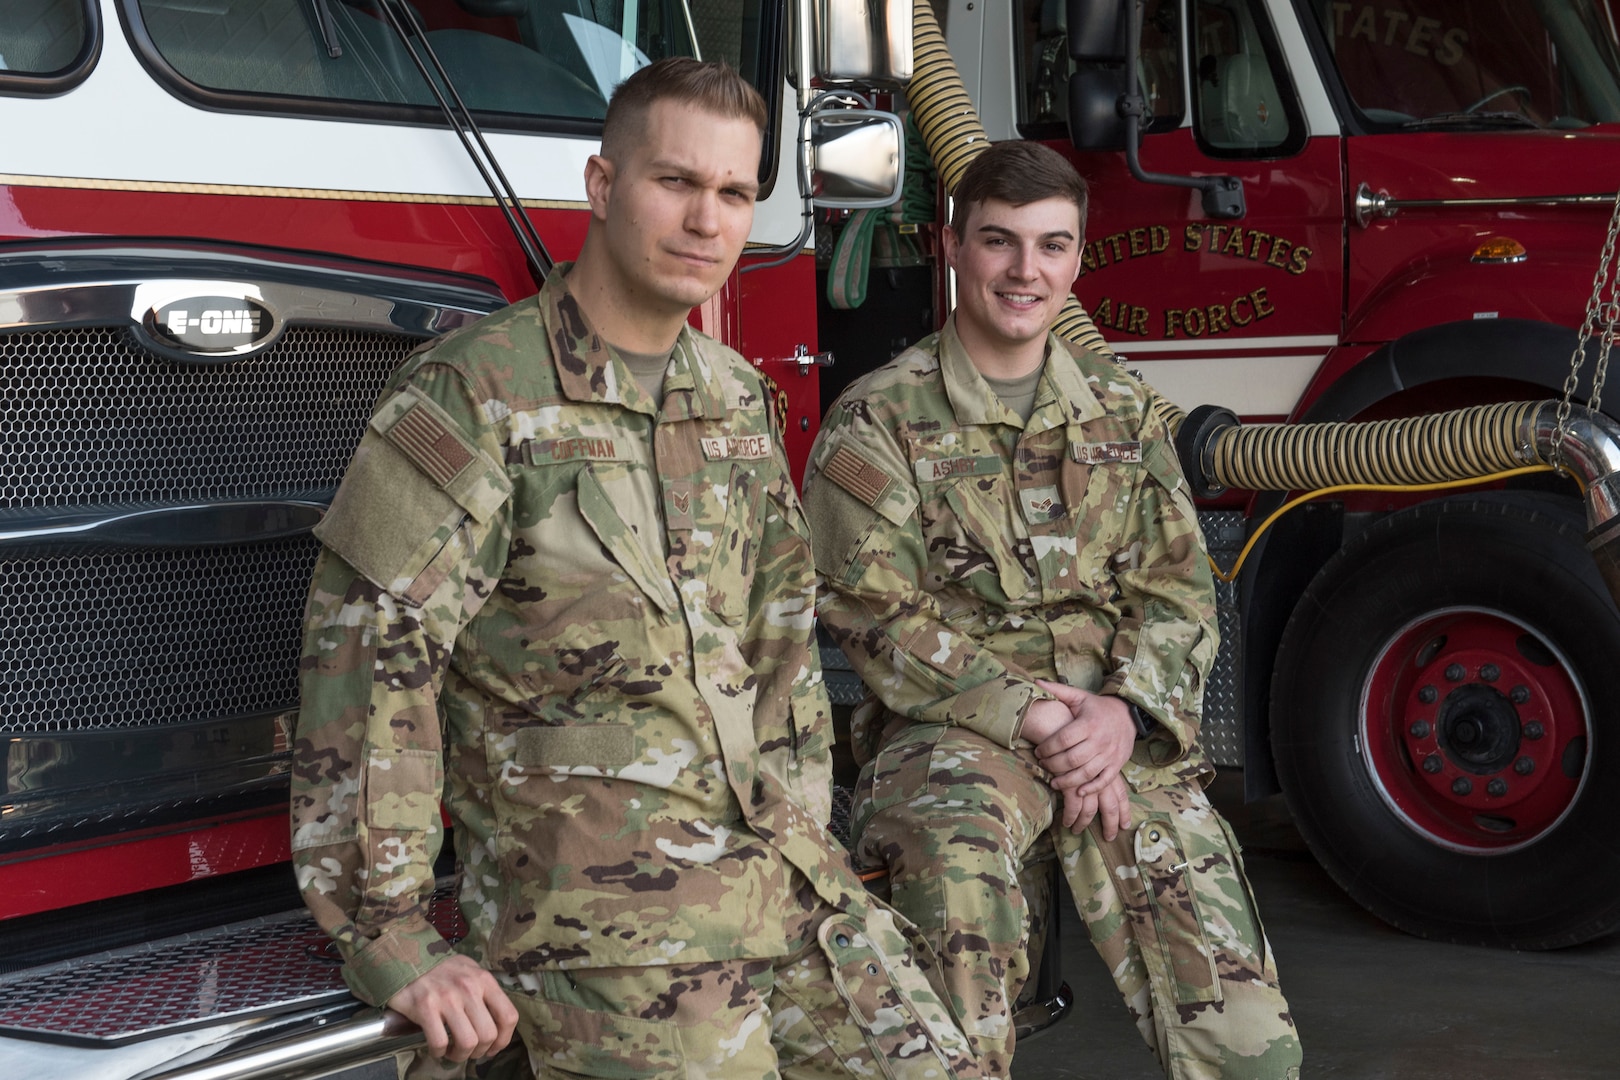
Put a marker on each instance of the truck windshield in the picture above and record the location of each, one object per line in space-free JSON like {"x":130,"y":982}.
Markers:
{"x":1432,"y":63}
{"x":517,"y":59}
{"x":41,"y":37}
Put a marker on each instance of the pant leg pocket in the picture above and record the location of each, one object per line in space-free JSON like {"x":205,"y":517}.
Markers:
{"x":1188,"y":959}
{"x":572,"y":1040}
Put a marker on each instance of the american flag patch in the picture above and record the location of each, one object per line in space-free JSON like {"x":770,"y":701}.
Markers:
{"x":433,"y":448}
{"x":857,"y":476}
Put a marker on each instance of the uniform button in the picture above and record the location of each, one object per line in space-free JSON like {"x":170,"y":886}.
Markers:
{"x":1154,"y":836}
{"x":871,"y":969}
{"x":841,"y":940}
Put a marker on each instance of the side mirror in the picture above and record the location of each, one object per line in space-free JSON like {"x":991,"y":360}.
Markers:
{"x":857,"y":159}
{"x":868,"y":42}
{"x":1094,"y":119}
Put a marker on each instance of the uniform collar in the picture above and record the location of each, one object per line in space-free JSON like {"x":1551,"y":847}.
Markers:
{"x":1063,"y":395}
{"x":589,"y":369}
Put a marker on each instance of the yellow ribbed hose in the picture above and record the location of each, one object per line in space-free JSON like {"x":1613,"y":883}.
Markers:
{"x":951,"y":130}
{"x":1449,"y":446}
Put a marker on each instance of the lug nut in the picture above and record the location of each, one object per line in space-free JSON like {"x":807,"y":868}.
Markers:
{"x":1455,"y":672}
{"x":1534,"y":730}
{"x":1520,"y":695}
{"x":1462,"y":786}
{"x":1490,"y":673}
{"x":1497,"y":787}
{"x":1524,"y":766}
{"x":1427,"y":695}
{"x":1433,"y":764}
{"x":1420,"y":729}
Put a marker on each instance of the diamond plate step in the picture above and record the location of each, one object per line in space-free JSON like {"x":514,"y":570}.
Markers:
{"x":245,"y":970}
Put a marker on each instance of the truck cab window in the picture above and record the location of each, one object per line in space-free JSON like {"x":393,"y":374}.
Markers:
{"x":517,"y":59}
{"x":1243,"y":99}
{"x":40,"y":38}
{"x":1428,"y":63}
{"x":1044,"y":67}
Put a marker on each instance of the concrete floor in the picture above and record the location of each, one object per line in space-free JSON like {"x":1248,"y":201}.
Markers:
{"x":1371,"y":1002}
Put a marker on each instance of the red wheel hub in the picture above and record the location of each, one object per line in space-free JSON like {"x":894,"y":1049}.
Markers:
{"x":1475,"y":730}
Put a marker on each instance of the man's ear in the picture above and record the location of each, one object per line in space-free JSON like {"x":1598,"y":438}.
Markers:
{"x":951,"y":244}
{"x":599,"y":175}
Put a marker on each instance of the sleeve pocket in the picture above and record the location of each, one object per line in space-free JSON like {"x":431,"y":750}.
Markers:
{"x":402,"y":790}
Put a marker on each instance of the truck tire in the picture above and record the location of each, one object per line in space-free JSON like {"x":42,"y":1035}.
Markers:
{"x":1444,"y":718}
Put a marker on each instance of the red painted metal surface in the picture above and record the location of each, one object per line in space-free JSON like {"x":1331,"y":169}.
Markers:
{"x":1413,"y":269}
{"x":118,"y":865}
{"x":1156,"y":268}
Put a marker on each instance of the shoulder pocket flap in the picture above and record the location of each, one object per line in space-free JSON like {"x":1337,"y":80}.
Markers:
{"x":598,"y":511}
{"x":869,"y":482}
{"x":421,"y":430}
{"x":609,"y":746}
{"x":387,"y":520}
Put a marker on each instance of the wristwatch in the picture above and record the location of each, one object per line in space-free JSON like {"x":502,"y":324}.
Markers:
{"x":1143,"y":721}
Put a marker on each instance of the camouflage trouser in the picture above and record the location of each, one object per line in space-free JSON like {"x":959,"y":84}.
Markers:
{"x":848,"y":1000}
{"x":1167,"y":903}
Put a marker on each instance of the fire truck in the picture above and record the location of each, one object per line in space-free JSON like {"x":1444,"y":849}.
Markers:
{"x":223,"y":223}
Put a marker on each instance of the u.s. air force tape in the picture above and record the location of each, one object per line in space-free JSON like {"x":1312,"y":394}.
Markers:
{"x":856,"y":475}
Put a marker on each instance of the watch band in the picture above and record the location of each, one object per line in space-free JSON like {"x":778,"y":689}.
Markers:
{"x":1144,"y":722}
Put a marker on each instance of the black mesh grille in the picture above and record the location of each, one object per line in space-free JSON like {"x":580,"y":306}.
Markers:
{"x":88,"y":417}
{"x":132,"y":637}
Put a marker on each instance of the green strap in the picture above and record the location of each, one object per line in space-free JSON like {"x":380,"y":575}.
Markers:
{"x":851,"y":260}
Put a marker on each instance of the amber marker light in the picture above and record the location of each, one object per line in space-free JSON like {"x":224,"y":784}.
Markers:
{"x":1499,"y":249}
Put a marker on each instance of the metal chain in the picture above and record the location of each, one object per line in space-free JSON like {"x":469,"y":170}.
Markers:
{"x":1602,"y":314}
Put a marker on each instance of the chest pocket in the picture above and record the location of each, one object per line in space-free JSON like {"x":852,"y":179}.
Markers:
{"x":971,"y":534}
{"x":1099,"y":471}
{"x":735,"y":549}
{"x":617,"y":505}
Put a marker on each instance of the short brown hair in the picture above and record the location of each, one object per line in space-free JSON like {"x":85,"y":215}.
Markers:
{"x":712,"y":86}
{"x":1017,"y":173}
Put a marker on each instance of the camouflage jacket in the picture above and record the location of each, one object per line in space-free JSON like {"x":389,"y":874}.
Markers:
{"x":966,"y":552}
{"x":587,"y":624}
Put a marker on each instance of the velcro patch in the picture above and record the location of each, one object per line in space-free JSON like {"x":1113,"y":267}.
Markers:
{"x":1106,"y":452}
{"x":746,"y":447}
{"x":574,"y":448}
{"x":943,"y":468}
{"x":432,"y":447}
{"x":605,"y":746}
{"x":856,"y":475}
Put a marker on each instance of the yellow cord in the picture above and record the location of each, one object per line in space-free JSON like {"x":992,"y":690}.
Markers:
{"x":1237,"y":567}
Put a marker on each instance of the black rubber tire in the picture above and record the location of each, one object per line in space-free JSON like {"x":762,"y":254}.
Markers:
{"x":1522,"y":555}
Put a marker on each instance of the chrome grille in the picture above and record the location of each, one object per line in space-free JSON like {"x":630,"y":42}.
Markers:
{"x":89,"y":417}
{"x":129,"y":637}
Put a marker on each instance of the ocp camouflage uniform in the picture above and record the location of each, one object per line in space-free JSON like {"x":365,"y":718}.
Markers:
{"x":588,"y":623}
{"x":967,"y":553}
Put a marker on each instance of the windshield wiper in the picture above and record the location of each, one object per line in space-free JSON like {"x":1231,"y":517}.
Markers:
{"x":1472,"y":120}
{"x":461,"y":122}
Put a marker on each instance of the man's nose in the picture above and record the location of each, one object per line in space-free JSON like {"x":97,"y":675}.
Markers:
{"x":703,"y":213}
{"x":1023,"y":264}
